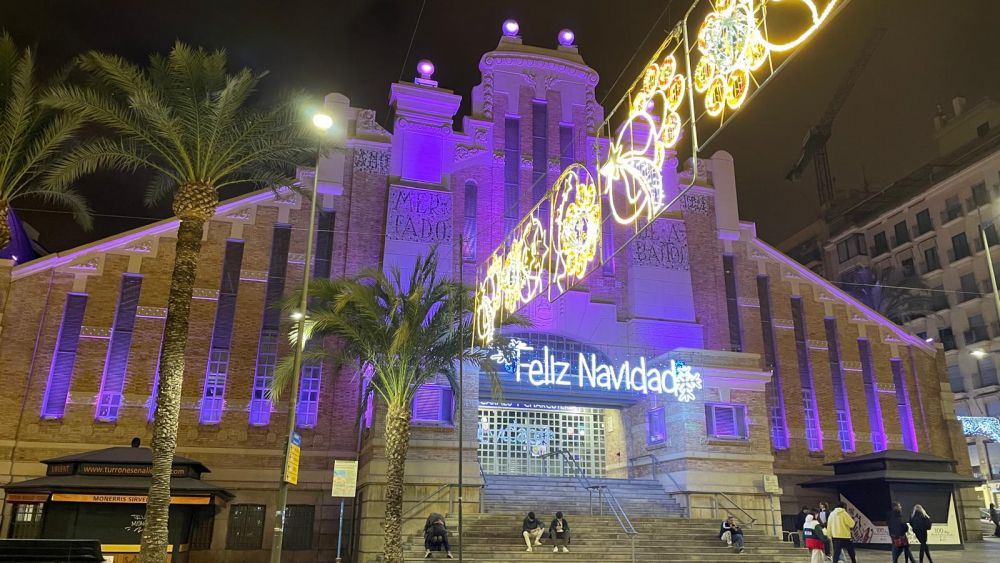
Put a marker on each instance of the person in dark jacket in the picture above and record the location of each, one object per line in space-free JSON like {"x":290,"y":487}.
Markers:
{"x":532,"y":529}
{"x":920,"y":523}
{"x":436,"y":535}
{"x":731,"y":533}
{"x":995,"y":517}
{"x":559,"y":532}
{"x":800,"y":522}
{"x":897,"y":531}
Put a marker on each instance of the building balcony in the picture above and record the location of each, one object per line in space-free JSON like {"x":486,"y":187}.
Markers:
{"x":919,"y":230}
{"x":951,"y":213}
{"x":958,"y":253}
{"x":928,"y":267}
{"x":981,"y":333}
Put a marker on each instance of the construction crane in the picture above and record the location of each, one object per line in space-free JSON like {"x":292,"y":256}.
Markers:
{"x":814,"y":144}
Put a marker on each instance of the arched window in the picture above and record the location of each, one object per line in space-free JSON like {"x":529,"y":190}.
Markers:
{"x":469,"y":226}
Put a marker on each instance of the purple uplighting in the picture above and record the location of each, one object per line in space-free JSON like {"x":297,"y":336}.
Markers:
{"x":510,"y":28}
{"x":425,"y":68}
{"x":566,"y":37}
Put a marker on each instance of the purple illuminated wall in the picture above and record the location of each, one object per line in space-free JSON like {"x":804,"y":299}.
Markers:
{"x":61,"y":372}
{"x":814,"y":434}
{"x":878,"y":437}
{"x":775,"y":393}
{"x":109,"y":399}
{"x":841,"y":406}
{"x":267,"y":346}
{"x":903,"y":406}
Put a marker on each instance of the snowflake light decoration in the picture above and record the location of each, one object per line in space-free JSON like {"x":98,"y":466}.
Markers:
{"x":985,"y":426}
{"x":509,"y":356}
{"x":685,"y":381}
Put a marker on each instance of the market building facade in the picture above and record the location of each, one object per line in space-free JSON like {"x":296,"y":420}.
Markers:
{"x":700,"y":356}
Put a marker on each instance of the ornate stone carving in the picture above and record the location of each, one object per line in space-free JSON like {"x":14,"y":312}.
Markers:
{"x":243,"y":214}
{"x":296,"y":258}
{"x":526,"y":162}
{"x":527,"y":61}
{"x":498,"y":157}
{"x":591,"y":110}
{"x":143,"y":245}
{"x":663,"y":244}
{"x":555,"y":165}
{"x":748,"y":302}
{"x":784,"y":324}
{"x":817,"y":344}
{"x":436,"y":130}
{"x":700,"y":204}
{"x":465,"y":152}
{"x":253,"y":275}
{"x":419,"y":215}
{"x":367,"y":125}
{"x":284,"y":196}
{"x":851,"y":366}
{"x":479,"y":137}
{"x":90,"y":265}
{"x":371,"y":161}
{"x":488,"y":95}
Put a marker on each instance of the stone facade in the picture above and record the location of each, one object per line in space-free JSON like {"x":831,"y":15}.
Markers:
{"x":394,"y":197}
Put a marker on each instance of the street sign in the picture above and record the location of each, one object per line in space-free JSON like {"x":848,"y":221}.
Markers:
{"x":345,"y":478}
{"x":771,"y":484}
{"x":292,"y":466}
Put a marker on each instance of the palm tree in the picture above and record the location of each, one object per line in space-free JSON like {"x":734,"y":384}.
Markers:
{"x":405,"y":331}
{"x":897,"y":297}
{"x":191,"y":123}
{"x":31,"y":136}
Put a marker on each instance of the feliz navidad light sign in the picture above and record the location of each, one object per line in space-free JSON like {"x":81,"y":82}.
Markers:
{"x":711,"y":64}
{"x":548,"y":370}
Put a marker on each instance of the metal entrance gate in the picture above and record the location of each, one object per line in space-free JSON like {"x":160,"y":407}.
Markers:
{"x":513,"y":438}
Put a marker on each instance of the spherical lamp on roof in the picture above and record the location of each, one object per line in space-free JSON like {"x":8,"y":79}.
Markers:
{"x":566,"y":37}
{"x":425,"y":68}
{"x":322,"y":121}
{"x":510,"y":28}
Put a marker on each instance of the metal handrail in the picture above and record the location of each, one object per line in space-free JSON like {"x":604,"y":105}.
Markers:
{"x":604,"y":494}
{"x":657,"y":462}
{"x":752,"y":520}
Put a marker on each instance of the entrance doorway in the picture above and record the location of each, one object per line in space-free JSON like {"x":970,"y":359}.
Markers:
{"x":519,"y":439}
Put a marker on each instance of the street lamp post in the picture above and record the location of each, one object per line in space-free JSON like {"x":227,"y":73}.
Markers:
{"x":323,"y":122}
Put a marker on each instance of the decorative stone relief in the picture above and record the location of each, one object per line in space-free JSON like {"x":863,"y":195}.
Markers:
{"x":243,"y":214}
{"x":95,"y":332}
{"x":436,"y":130}
{"x":663,"y":244}
{"x":296,"y":258}
{"x":479,"y":136}
{"x":366,"y":124}
{"x":530,"y":62}
{"x":817,"y":344}
{"x":253,"y":275}
{"x":555,"y":164}
{"x":748,"y":302}
{"x":371,"y":161}
{"x":526,"y":162}
{"x":143,"y":245}
{"x":284,"y":196}
{"x":488,"y":95}
{"x":204,"y":293}
{"x":151,"y":312}
{"x":498,"y":157}
{"x":419,"y":215}
{"x":851,"y":366}
{"x":784,"y":324}
{"x":86,"y":265}
{"x":700,"y":204}
{"x":591,"y":110}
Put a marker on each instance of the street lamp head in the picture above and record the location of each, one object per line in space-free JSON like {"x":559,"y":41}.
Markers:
{"x":566,"y":37}
{"x":978,"y":354}
{"x":296,"y":316}
{"x":510,"y":28}
{"x":322,"y":121}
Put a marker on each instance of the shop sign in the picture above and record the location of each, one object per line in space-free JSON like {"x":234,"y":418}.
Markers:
{"x":345,"y":478}
{"x":546,"y":370}
{"x":123,"y":499}
{"x":27,"y":497}
{"x":292,"y":464}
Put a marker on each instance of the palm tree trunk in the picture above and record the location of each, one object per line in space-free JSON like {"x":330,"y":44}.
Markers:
{"x":4,"y":225}
{"x":194,"y":206}
{"x":397,"y":442}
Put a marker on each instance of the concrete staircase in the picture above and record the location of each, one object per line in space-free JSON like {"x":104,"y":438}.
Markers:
{"x":495,"y":538}
{"x":546,"y":495}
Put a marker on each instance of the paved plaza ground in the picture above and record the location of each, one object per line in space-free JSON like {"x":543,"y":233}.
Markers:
{"x":985,"y":552}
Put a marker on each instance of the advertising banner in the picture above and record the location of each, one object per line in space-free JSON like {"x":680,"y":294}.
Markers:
{"x":866,"y":532}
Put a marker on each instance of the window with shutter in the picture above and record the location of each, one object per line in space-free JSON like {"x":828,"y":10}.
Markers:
{"x":727,"y":421}
{"x":432,"y":404}
{"x":61,"y":372}
{"x":246,"y":526}
{"x":267,"y":345}
{"x":657,"y":423}
{"x":109,"y":400}
{"x":213,"y":396}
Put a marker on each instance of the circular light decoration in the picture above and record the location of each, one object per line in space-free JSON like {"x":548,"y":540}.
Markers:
{"x":425,"y":68}
{"x":524,"y":264}
{"x":511,"y":28}
{"x":566,"y":37}
{"x":577,"y":224}
{"x":733,"y":46}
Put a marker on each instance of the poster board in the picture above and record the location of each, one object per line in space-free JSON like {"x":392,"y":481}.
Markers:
{"x":866,"y":532}
{"x":345,"y":478}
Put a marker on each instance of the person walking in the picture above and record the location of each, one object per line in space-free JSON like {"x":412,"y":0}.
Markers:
{"x":532,"y":529}
{"x":815,"y":537}
{"x":897,"y":531}
{"x":839,"y":530}
{"x":823,"y":516}
{"x":559,"y":532}
{"x":920,"y":523}
{"x":995,"y":517}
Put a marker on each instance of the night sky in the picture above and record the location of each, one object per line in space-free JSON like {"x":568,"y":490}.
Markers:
{"x":932,"y":51}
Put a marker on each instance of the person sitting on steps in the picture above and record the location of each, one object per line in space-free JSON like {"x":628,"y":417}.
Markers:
{"x":532,"y":530}
{"x":559,"y":532}
{"x":436,"y":535}
{"x":731,"y":533}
